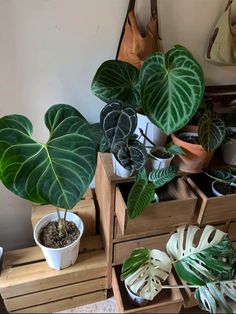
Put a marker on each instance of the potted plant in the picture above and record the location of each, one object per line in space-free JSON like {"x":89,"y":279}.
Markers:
{"x":206,"y":261}
{"x":56,"y":173}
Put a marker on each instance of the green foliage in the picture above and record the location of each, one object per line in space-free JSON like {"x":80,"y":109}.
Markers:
{"x":174,"y":149}
{"x":159,"y":177}
{"x":141,"y":174}
{"x":57,"y":172}
{"x":220,"y":175}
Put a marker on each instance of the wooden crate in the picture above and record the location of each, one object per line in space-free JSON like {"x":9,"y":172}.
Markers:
{"x":211,"y":209}
{"x":28,"y":285}
{"x":85,"y":209}
{"x":232,"y":231}
{"x":176,"y":208}
{"x":167,"y":301}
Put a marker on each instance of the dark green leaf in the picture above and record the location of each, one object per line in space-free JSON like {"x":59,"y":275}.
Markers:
{"x":159,"y":177}
{"x":141,"y":175}
{"x":175,"y":150}
{"x":219,"y":175}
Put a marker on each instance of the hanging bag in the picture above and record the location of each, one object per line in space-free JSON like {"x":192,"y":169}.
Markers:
{"x":222,"y":44}
{"x":133,"y":47}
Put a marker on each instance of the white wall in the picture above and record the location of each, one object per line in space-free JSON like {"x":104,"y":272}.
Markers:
{"x":50,"y":50}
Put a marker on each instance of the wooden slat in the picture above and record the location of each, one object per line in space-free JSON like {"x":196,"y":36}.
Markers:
{"x":34,"y":277}
{"x":232,"y":231}
{"x":46,"y":296}
{"x":66,"y":303}
{"x":88,"y":194}
{"x":234,"y":245}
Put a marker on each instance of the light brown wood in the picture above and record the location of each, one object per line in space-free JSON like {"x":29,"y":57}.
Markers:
{"x":232,"y":231}
{"x":46,"y":296}
{"x":66,"y":303}
{"x":215,"y":209}
{"x":234,"y":245}
{"x":85,"y":209}
{"x":162,"y":217}
{"x":122,"y":250}
{"x":169,"y":301}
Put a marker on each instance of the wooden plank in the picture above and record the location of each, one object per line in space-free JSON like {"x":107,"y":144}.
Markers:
{"x":38,"y":276}
{"x":120,"y":210}
{"x":85,"y":209}
{"x":232,"y":231}
{"x":88,"y":194}
{"x":66,"y":303}
{"x":34,"y":254}
{"x":122,"y":250}
{"x":234,"y":245}
{"x":46,"y":296}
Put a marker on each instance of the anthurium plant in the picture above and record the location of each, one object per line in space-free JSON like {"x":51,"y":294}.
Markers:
{"x":204,"y":259}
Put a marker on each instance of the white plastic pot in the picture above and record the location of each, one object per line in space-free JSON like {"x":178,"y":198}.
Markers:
{"x":118,"y":169}
{"x":214,"y":190}
{"x":151,"y":131}
{"x":62,"y":257}
{"x":1,"y":251}
{"x":135,"y":298}
{"x":229,"y":151}
{"x":159,"y":163}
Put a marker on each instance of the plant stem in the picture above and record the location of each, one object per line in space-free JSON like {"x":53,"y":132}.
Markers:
{"x":58,"y":215}
{"x":65,"y":215}
{"x":145,"y":136}
{"x":180,"y":286}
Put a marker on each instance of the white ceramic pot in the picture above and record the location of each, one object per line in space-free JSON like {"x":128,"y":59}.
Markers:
{"x":159,"y":163}
{"x":151,"y":131}
{"x":1,"y":251}
{"x":229,"y":151}
{"x":62,"y":257}
{"x":135,"y":298}
{"x":214,"y":190}
{"x":118,"y":169}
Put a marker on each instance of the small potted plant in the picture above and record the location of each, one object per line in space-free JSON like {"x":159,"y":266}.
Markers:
{"x":56,"y":173}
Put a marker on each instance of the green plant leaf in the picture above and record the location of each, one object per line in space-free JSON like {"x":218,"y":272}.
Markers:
{"x":130,"y":154}
{"x":172,"y":88}
{"x":57,"y":172}
{"x":141,"y":175}
{"x":211,"y":131}
{"x":201,"y":259}
{"x":116,"y":79}
{"x":140,"y":196}
{"x":118,"y":122}
{"x":219,"y":175}
{"x":159,"y":177}
{"x":214,"y":297}
{"x":145,"y":271}
{"x":175,"y":150}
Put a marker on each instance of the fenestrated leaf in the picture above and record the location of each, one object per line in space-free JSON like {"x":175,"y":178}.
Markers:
{"x":172,"y":88}
{"x":57,"y":172}
{"x":159,"y":177}
{"x":118,"y":122}
{"x":211,"y":131}
{"x":201,"y":260}
{"x":131,"y":154}
{"x":214,"y":297}
{"x":145,"y":271}
{"x":116,"y":79}
{"x":219,"y":175}
{"x":140,"y":196}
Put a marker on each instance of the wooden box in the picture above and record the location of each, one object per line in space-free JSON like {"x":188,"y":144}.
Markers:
{"x":211,"y":209}
{"x":28,"y":285}
{"x":176,"y":207}
{"x":85,"y":209}
{"x":167,"y":301}
{"x":232,"y":231}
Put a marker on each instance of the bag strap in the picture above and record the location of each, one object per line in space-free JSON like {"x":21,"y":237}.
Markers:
{"x":228,"y":4}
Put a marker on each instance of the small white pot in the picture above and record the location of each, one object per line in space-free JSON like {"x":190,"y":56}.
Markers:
{"x":135,"y":298}
{"x":1,"y":251}
{"x":62,"y":257}
{"x":118,"y":169}
{"x":215,"y":192}
{"x":160,"y":163}
{"x":229,"y":151}
{"x":151,"y":131}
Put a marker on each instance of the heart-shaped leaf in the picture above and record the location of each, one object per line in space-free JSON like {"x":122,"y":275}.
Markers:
{"x":145,"y":270}
{"x":211,"y":131}
{"x":116,"y":79}
{"x":118,"y":122}
{"x":140,"y":196}
{"x":172,"y":88}
{"x":159,"y":177}
{"x":57,"y":172}
{"x":131,"y":155}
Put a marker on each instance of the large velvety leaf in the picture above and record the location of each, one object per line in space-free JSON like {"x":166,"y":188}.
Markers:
{"x":172,"y":88}
{"x":140,"y":196}
{"x":214,"y":297}
{"x":117,"y":80}
{"x":159,"y":177}
{"x":145,"y":271}
{"x":118,"y":122}
{"x":211,"y":131}
{"x":201,"y":260}
{"x":57,"y":172}
{"x":220,"y":175}
{"x":132,"y":155}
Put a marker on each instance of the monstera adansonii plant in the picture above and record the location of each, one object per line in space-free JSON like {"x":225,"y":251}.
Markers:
{"x":57,"y":172}
{"x":205,"y":259}
{"x":168,"y":89}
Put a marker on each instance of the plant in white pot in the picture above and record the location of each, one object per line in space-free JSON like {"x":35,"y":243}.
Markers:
{"x":56,"y":173}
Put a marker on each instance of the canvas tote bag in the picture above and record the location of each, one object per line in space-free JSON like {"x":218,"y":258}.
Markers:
{"x":134,"y":47}
{"x":222,"y":44}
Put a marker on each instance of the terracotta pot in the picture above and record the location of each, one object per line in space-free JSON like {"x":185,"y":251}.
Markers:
{"x":195,"y":157}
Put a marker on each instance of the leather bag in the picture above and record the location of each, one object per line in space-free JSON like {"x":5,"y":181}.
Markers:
{"x":222,"y":44}
{"x":135,"y":47}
